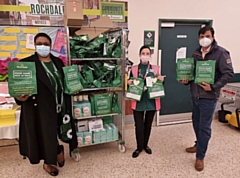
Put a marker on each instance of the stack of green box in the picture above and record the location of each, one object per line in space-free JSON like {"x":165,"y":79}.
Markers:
{"x":109,"y":133}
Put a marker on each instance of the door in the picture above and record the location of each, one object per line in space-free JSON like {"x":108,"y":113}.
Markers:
{"x":172,"y":37}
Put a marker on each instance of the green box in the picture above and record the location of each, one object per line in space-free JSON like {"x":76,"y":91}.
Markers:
{"x":96,"y":137}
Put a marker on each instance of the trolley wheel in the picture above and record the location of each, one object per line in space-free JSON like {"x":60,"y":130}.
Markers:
{"x":76,"y":157}
{"x":122,"y":148}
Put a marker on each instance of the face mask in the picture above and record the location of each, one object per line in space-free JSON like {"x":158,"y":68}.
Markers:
{"x":205,"y":42}
{"x":145,"y":59}
{"x":42,"y":50}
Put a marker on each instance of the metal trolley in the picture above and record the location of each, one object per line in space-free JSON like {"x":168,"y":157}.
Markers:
{"x":230,"y":95}
{"x":119,"y":119}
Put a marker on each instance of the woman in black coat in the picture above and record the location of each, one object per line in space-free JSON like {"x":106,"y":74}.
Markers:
{"x":41,"y":120}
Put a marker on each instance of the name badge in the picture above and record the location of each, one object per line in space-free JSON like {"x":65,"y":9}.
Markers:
{"x":149,"y":81}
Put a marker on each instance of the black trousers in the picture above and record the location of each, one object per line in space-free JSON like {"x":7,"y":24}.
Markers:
{"x":143,"y":124}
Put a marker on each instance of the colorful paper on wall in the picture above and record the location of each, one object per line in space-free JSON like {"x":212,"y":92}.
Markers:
{"x":8,"y":38}
{"x":15,"y":44}
{"x":30,"y":30}
{"x":8,"y":47}
{"x":25,"y":50}
{"x":11,"y":30}
{"x":30,"y":41}
{"x":23,"y":43}
{"x":5,"y":54}
{"x":59,"y":42}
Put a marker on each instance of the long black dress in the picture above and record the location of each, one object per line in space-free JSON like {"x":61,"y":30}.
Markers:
{"x":39,"y":122}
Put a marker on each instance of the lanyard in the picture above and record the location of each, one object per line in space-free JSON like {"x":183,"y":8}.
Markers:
{"x":50,"y":75}
{"x":147,"y":71}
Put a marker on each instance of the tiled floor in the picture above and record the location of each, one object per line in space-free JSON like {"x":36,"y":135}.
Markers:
{"x":169,"y":159}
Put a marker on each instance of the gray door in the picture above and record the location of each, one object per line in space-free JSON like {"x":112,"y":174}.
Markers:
{"x":171,"y":38}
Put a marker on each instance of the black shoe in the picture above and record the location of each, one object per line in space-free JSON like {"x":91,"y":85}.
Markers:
{"x":136,"y":153}
{"x":61,"y":151}
{"x":148,"y":150}
{"x":54,"y":171}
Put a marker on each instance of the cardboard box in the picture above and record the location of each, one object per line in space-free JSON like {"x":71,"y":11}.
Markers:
{"x":73,"y":13}
{"x":99,"y":26}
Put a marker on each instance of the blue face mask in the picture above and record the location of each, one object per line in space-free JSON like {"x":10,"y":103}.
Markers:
{"x":42,"y":50}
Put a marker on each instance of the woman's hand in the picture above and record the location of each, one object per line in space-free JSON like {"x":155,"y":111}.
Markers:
{"x":161,"y":78}
{"x":129,"y":82}
{"x":23,"y":97}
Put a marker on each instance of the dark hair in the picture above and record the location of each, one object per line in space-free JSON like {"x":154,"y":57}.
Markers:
{"x":42,"y":35}
{"x":206,"y":28}
{"x":144,"y":47}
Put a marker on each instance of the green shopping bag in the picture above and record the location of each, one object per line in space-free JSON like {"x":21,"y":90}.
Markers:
{"x":117,"y":53}
{"x":102,"y":104}
{"x":22,"y":78}
{"x":157,"y":89}
{"x":117,"y":78}
{"x":205,"y":72}
{"x":83,"y":81}
{"x":91,"y":98}
{"x":72,"y":82}
{"x":88,"y":76}
{"x":100,"y":82}
{"x":115,"y":104}
{"x":97,"y":67}
{"x":135,"y":90}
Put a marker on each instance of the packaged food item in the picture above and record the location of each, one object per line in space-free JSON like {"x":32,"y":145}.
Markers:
{"x":80,"y":138}
{"x":82,"y":107}
{"x":95,"y":125}
{"x":86,"y":106}
{"x":115,"y":131}
{"x":109,"y":131}
{"x":82,"y":125}
{"x":87,"y":138}
{"x":77,"y":111}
